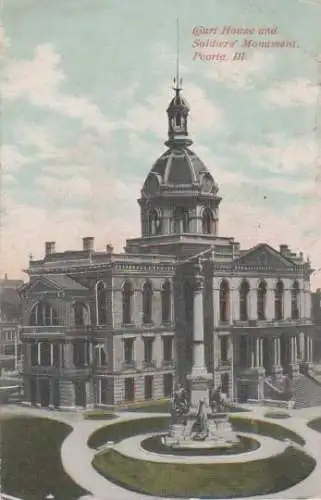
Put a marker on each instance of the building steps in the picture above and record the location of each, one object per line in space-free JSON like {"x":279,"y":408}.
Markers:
{"x":306,"y":391}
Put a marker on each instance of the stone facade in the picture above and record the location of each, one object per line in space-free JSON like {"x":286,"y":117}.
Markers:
{"x":102,"y":328}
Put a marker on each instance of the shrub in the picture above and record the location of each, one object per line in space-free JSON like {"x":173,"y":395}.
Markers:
{"x":99,"y":415}
{"x":276,"y":414}
{"x":159,"y":406}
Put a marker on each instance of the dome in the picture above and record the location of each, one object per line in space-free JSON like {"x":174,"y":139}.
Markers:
{"x":181,"y":166}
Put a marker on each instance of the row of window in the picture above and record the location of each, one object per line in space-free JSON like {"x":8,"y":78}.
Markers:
{"x":130,"y":387}
{"x":43,"y":314}
{"x":261,"y":300}
{"x":147,"y":307}
{"x":181,"y":221}
{"x":49,"y":354}
{"x":129,"y":349}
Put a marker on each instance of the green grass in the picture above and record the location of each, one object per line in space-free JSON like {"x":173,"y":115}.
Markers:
{"x":277,"y":414}
{"x":30,"y":454}
{"x":122,"y":430}
{"x":99,"y":415}
{"x":244,"y":445}
{"x":206,"y":480}
{"x":162,"y":406}
{"x":265,"y":429}
{"x":315,"y":424}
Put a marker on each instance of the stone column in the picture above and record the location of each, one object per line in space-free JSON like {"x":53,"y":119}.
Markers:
{"x":51,"y":394}
{"x":276,"y":368}
{"x":287,"y":313}
{"x":261,"y":352}
{"x":252,"y":352}
{"x":199,"y":377}
{"x":198,"y":326}
{"x":39,"y":353}
{"x":51,"y":354}
{"x":38,"y":392}
{"x":257,"y":352}
{"x":293,"y":365}
{"x":269,"y":304}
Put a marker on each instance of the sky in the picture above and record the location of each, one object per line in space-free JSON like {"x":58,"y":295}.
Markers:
{"x":84,"y":90}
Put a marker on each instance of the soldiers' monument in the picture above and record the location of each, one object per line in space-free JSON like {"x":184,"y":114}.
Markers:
{"x":199,"y":418}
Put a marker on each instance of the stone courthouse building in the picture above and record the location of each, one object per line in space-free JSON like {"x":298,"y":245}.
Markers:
{"x":105,"y":328}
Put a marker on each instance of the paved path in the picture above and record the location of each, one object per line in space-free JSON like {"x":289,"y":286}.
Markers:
{"x":131,"y":448}
{"x":77,"y":457}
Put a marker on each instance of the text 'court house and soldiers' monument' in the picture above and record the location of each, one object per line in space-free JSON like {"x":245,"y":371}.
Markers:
{"x":101,"y":328}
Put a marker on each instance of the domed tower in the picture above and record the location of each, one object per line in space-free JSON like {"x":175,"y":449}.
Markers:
{"x":179,"y":201}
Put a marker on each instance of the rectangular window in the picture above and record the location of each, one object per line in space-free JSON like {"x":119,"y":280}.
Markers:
{"x":168,"y":385}
{"x":104,"y":391}
{"x":129,"y":384}
{"x":224,"y":347}
{"x":168,"y":348}
{"x":129,"y":351}
{"x":148,"y":350}
{"x":149,"y":379}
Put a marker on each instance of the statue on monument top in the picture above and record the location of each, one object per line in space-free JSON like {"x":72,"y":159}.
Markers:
{"x":180,"y":404}
{"x":199,"y":274}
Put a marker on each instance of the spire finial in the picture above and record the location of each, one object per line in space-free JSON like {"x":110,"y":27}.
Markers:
{"x":177,"y":79}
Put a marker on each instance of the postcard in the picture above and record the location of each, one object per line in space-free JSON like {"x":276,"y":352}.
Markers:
{"x":160,"y":249}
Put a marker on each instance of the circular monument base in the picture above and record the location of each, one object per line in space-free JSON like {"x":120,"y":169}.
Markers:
{"x":219,"y":433}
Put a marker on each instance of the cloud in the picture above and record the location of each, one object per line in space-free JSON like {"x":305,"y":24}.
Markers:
{"x":25,"y":228}
{"x":292,"y":93}
{"x":278,"y":154}
{"x":12,"y":159}
{"x":39,"y":80}
{"x":238,"y":74}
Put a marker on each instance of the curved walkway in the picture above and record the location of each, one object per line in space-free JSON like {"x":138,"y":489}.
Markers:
{"x":131,"y":447}
{"x":77,"y":457}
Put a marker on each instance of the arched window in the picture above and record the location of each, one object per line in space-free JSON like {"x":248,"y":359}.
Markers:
{"x":261,"y":300}
{"x":208,"y":223}
{"x":181,"y":220}
{"x":166,"y":302}
{"x":295,"y":295}
{"x":81,"y":314}
{"x":244,"y":292}
{"x":147,"y":302}
{"x":43,"y":314}
{"x":127,"y":293}
{"x":224,"y":301}
{"x":278,"y":301}
{"x":101,"y":303}
{"x":154,"y":223}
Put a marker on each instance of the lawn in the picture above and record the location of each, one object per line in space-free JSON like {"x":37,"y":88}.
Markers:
{"x":206,"y":480}
{"x":269,"y":429}
{"x":164,"y":406}
{"x":155,"y":445}
{"x":315,"y":424}
{"x":30,"y":454}
{"x":122,"y":430}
